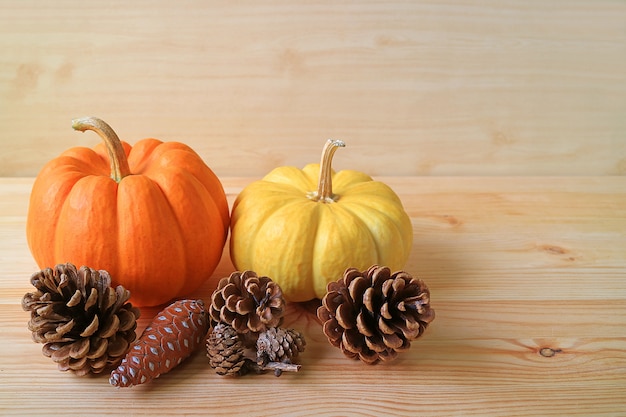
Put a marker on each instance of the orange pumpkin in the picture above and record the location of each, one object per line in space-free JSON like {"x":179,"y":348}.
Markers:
{"x":154,"y":215}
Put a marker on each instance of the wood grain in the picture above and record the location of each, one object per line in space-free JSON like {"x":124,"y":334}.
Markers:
{"x":415,"y":88}
{"x":528,"y":280}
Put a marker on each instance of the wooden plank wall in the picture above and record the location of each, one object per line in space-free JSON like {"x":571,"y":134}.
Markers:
{"x":415,"y":87}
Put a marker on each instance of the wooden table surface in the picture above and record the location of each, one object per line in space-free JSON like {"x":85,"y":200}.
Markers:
{"x":528,"y":280}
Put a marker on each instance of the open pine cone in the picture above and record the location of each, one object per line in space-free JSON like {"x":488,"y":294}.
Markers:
{"x":85,"y":324}
{"x":374,"y":314}
{"x":247,"y":302}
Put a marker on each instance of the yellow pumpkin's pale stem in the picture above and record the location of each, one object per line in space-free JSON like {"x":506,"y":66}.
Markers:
{"x":324,"y":192}
{"x":117,"y":156}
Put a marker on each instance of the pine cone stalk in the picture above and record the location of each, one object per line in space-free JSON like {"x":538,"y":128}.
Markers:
{"x":86,"y":326}
{"x":373,"y":315}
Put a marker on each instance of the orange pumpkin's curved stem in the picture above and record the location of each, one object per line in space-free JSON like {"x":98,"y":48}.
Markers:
{"x":324,"y":192}
{"x":117,"y":156}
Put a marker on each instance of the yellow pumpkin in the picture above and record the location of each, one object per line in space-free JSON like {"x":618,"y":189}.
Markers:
{"x":304,"y":227}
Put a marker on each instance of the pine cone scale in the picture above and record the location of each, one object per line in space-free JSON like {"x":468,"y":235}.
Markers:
{"x":358,"y":285}
{"x":368,"y":298}
{"x":332,"y":300}
{"x":345,"y":316}
{"x":379,"y":276}
{"x":76,"y":298}
{"x":109,"y":299}
{"x":245,"y":306}
{"x":349,"y":275}
{"x":127,"y":320}
{"x":110,"y":327}
{"x":78,"y":365}
{"x":364,"y":324}
{"x":265,"y":314}
{"x":99,"y":365}
{"x":63,"y":329}
{"x":385,"y":313}
{"x":91,"y":328}
{"x":217,"y":299}
{"x":47,"y":310}
{"x":333,"y":331}
{"x":335,"y":287}
{"x":324,"y":314}
{"x":370,"y":357}
{"x":60,"y":353}
{"x":122,"y":294}
{"x":393,"y":341}
{"x":97,"y":348}
{"x":410,"y":329}
{"x":117,"y":347}
{"x":92,"y":300}
{"x":230,"y":289}
{"x":232,"y":303}
{"x":387,"y":328}
{"x":375,"y":344}
{"x":79,"y":349}
{"x":255,"y":324}
{"x":352,"y":341}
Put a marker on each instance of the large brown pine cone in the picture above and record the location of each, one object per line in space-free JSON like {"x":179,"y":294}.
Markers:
{"x":374,"y":314}
{"x":247,"y":302}
{"x":85,"y":324}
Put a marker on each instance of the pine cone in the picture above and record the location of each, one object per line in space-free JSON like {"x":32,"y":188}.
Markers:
{"x":172,"y":336}
{"x":85,"y":325}
{"x":247,"y":302}
{"x":279,"y":345}
{"x":373,"y":315}
{"x":226,"y":351}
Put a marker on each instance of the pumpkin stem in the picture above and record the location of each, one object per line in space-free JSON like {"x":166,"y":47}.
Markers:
{"x":324,"y":191}
{"x":117,"y":156}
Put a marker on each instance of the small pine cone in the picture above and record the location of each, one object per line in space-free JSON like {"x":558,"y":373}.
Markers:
{"x":279,"y":345}
{"x":373,"y":315}
{"x":226,"y":351}
{"x":85,"y":324}
{"x":170,"y":338}
{"x":247,"y":302}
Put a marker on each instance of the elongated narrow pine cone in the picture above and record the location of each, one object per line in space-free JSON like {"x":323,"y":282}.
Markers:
{"x":374,"y":314}
{"x":279,"y":345}
{"x":225,"y":351}
{"x":247,"y":302}
{"x":171,"y":337}
{"x":85,"y":324}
